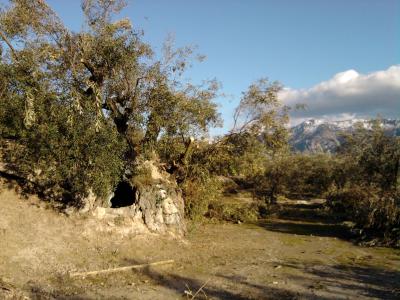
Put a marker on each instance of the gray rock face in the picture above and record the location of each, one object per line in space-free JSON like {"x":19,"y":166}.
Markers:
{"x":162,"y":207}
{"x":158,"y":206}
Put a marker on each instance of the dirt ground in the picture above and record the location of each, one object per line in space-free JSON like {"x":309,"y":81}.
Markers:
{"x":296,"y":255}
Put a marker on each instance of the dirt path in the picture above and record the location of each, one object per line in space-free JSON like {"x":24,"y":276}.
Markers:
{"x":298,"y":255}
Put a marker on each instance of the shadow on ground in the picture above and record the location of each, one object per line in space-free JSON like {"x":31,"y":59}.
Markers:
{"x":302,"y":212}
{"x":218,"y":286}
{"x":344,"y":281}
{"x":315,"y":281}
{"x":306,"y":219}
{"x":305,"y":228}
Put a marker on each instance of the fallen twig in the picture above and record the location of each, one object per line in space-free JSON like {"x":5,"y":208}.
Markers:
{"x":200,"y":289}
{"x":106,"y":271}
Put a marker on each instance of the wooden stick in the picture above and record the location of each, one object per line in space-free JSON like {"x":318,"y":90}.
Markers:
{"x":106,"y":271}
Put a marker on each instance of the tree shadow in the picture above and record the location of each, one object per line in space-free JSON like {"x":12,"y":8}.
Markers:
{"x":305,"y":210}
{"x":317,"y":215}
{"x":303,"y":206}
{"x":281,"y":294}
{"x":16,"y":182}
{"x":345,"y":280}
{"x":230,"y":287}
{"x":306,"y":219}
{"x":26,"y":188}
{"x":306,"y":228}
{"x":323,"y":282}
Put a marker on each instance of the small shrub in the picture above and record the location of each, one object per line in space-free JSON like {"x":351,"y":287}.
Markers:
{"x":198,"y":195}
{"x":375,"y":211}
{"x":233,"y":212}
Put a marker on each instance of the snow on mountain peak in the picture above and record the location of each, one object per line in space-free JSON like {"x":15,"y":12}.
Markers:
{"x":315,"y":134}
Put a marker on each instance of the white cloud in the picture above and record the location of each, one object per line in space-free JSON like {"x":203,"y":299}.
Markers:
{"x":349,"y":94}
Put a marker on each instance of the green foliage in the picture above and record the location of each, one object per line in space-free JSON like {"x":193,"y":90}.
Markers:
{"x":261,"y":114}
{"x":367,"y":182}
{"x":237,"y":154}
{"x":259,"y":132}
{"x":374,"y":211}
{"x":198,"y":194}
{"x":64,"y":151}
{"x":82,"y":107}
{"x":233,"y":212}
{"x":309,"y":175}
{"x":373,"y":158}
{"x":294,"y":176}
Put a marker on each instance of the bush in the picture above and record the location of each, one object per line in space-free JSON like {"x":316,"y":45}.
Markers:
{"x":372,"y":210}
{"x":198,"y":195}
{"x":63,"y":153}
{"x":367,"y":186}
{"x":233,"y":212}
{"x":294,"y":175}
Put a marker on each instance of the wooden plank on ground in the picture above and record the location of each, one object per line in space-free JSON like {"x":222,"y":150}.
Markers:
{"x":121,"y":269}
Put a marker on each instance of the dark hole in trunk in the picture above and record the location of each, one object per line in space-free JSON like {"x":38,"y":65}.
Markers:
{"x":124,"y":195}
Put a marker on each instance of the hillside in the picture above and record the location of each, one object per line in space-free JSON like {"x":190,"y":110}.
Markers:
{"x":317,"y":135}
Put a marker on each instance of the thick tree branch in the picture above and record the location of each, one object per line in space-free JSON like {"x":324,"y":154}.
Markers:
{"x":5,"y":39}
{"x":88,"y":66}
{"x":135,"y":94}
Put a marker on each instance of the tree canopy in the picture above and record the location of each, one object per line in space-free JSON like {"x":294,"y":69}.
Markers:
{"x":91,"y":101}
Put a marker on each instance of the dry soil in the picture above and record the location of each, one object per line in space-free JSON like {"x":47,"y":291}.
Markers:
{"x":298,"y":254}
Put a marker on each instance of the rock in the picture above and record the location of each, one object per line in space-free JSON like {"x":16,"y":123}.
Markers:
{"x":154,"y":172}
{"x":99,"y":212}
{"x":157,"y":205}
{"x":70,"y":210}
{"x":88,"y":202}
{"x":161,"y":202}
{"x":169,"y":207}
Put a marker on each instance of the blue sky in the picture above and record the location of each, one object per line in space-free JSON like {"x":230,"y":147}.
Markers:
{"x":300,"y":43}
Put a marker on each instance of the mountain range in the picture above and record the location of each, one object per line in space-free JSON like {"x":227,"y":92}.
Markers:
{"x":317,"y":135}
